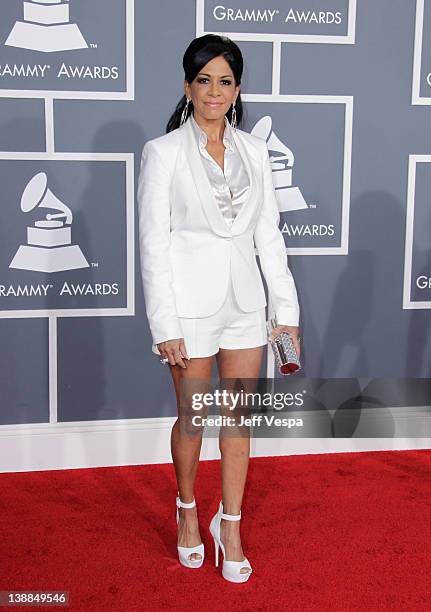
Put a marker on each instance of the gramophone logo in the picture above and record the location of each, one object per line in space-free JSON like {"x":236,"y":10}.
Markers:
{"x":46,"y":27}
{"x":49,"y":245}
{"x":282,"y":159}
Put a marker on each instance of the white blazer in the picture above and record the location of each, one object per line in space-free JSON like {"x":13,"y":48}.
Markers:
{"x":188,"y":251}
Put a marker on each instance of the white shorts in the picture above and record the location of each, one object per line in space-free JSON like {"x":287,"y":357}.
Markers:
{"x":228,"y":328}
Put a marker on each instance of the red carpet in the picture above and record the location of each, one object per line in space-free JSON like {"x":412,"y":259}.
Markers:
{"x":338,"y":532}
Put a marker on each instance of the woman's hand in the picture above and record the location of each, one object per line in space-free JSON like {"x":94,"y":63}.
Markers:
{"x":174,"y":351}
{"x":292,"y":331}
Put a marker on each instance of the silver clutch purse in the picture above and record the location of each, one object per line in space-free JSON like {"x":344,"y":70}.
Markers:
{"x":285,"y":354}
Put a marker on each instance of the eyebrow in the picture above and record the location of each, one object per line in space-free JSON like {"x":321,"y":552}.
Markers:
{"x":222,"y":77}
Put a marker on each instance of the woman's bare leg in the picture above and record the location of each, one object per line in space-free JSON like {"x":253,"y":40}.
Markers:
{"x":185,"y":448}
{"x":235,"y":447}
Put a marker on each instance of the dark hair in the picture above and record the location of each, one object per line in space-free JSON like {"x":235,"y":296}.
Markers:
{"x":199,"y":52}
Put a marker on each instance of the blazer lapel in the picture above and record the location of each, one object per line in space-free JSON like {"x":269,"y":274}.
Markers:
{"x":247,"y":209}
{"x":203,"y":186}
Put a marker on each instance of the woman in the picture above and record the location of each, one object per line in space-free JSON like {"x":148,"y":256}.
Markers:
{"x":206,"y":199}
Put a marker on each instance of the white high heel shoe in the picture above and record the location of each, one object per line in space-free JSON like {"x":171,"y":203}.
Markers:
{"x":231,"y":570}
{"x":184,"y":552}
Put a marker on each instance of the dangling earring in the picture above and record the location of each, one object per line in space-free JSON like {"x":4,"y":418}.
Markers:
{"x":233,"y":117}
{"x":184,"y":113}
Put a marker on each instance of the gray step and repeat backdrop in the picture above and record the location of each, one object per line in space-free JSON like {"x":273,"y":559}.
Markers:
{"x":340,"y":89}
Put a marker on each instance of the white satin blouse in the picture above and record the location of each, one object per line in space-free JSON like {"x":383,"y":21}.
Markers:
{"x":231,"y":187}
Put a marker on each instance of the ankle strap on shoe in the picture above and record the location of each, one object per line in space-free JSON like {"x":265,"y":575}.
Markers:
{"x":229,"y":517}
{"x":181,"y":504}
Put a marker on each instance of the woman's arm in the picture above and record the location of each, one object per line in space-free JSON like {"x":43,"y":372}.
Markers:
{"x":154,"y":238}
{"x":272,"y":253}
